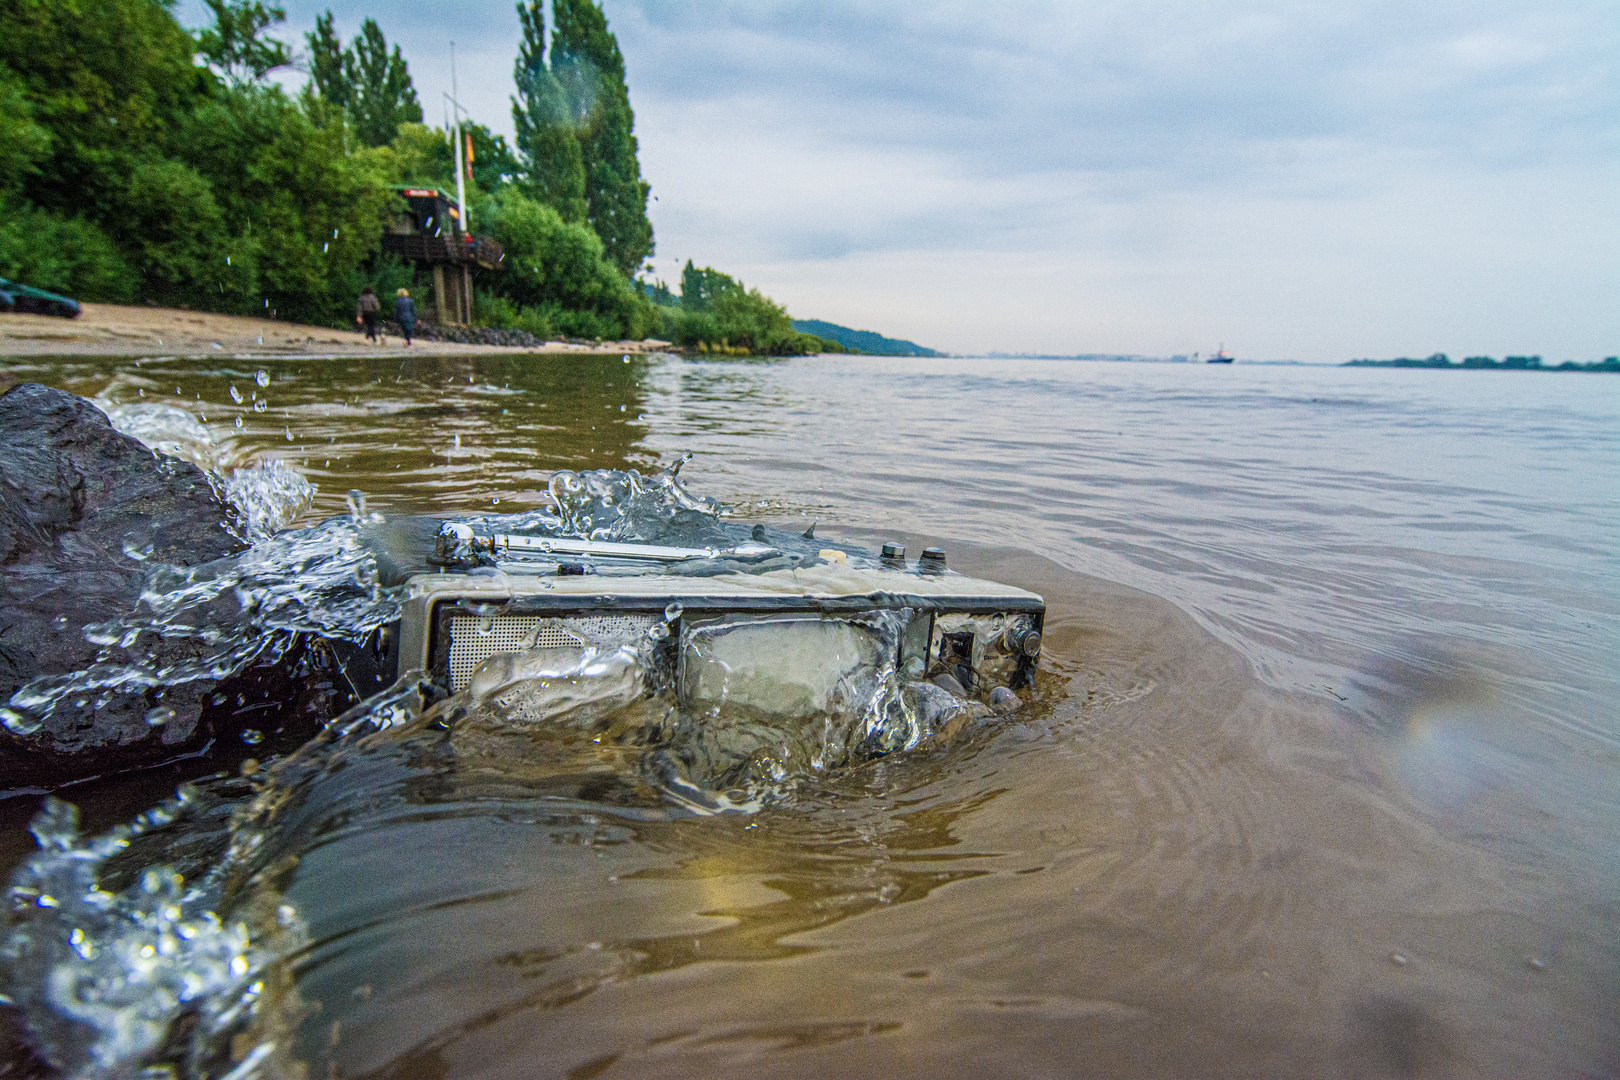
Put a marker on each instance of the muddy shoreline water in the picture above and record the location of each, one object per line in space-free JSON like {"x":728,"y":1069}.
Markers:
{"x":1319,"y":778}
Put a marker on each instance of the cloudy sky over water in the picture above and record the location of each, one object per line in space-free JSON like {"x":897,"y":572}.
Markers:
{"x":1294,"y":180}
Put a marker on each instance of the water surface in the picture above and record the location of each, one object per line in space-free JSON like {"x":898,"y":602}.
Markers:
{"x":1320,"y":778}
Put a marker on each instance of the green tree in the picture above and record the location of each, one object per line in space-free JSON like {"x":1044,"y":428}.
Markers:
{"x":546,"y":138}
{"x":587,"y":63}
{"x":23,"y":143}
{"x":234,"y":44}
{"x":171,"y":227}
{"x":326,"y":75}
{"x":557,"y":267}
{"x":107,"y":81}
{"x":701,"y":287}
{"x":381,"y":96}
{"x":308,"y":210}
{"x":493,"y":162}
{"x":67,"y":255}
{"x":424,"y":156}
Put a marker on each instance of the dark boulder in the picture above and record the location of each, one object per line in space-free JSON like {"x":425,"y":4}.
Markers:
{"x":84,"y":511}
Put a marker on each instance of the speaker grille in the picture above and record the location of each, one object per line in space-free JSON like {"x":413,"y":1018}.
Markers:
{"x":474,"y":640}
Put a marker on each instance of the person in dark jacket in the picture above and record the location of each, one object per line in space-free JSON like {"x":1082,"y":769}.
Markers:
{"x":366,"y":312}
{"x":405,"y":313}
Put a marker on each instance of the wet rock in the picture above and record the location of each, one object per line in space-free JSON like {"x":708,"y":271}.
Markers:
{"x":83,"y":511}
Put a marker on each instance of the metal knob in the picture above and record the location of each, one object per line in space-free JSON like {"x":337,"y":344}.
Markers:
{"x":892,"y":550}
{"x":932,"y":560}
{"x":1021,"y":639}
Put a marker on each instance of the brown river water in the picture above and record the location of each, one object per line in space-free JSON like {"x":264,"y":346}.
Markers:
{"x":1320,"y":776}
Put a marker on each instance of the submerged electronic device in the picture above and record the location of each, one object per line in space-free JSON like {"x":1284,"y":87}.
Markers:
{"x":766,"y":610}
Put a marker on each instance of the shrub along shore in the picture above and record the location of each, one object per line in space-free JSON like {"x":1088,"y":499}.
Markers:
{"x":143,"y":163}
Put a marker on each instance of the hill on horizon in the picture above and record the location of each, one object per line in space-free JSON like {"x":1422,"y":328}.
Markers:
{"x":867,"y":341}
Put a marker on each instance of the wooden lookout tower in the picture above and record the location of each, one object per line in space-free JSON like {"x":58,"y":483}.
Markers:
{"x":430,"y":232}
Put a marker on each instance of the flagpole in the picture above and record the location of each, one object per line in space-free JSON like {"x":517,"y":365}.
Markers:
{"x":461,"y":190}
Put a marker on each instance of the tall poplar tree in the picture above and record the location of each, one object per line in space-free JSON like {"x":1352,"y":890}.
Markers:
{"x":587,"y":63}
{"x":326,"y":62}
{"x":546,"y":137}
{"x":382,"y":97}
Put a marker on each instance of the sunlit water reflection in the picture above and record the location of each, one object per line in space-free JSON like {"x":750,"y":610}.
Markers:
{"x":1320,"y":777}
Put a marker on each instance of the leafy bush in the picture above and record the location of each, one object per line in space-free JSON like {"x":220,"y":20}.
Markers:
{"x":65,"y":255}
{"x":557,"y":267}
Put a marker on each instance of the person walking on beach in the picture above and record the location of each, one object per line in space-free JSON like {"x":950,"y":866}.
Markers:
{"x":366,"y":312}
{"x":405,"y":313}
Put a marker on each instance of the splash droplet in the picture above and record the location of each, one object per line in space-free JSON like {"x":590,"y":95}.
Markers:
{"x":159,"y":716}
{"x":262,"y":378}
{"x":673,"y":612}
{"x":19,"y":723}
{"x":260,"y":405}
{"x":252,"y":736}
{"x":236,"y":395}
{"x":357,"y":505}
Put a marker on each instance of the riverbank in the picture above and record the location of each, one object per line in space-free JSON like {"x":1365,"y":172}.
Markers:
{"x":118,"y":330}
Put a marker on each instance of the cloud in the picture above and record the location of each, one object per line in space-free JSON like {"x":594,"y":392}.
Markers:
{"x":1303,"y":179}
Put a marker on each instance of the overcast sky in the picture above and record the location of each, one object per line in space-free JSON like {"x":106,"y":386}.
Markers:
{"x":1295,"y":180}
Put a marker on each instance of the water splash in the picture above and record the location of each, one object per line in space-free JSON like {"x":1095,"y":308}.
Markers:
{"x":102,"y":958}
{"x":268,"y":497}
{"x":109,"y":948}
{"x":167,"y":429}
{"x":322,"y":580}
{"x":622,"y":506}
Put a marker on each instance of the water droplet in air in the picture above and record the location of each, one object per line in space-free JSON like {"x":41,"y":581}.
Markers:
{"x":357,"y":505}
{"x":159,"y":716}
{"x":252,"y":736}
{"x":262,"y":378}
{"x":18,"y":723}
{"x":673,"y":612}
{"x":140,"y":552}
{"x":236,"y":395}
{"x":288,"y":430}
{"x":260,"y":405}
{"x":238,"y":421}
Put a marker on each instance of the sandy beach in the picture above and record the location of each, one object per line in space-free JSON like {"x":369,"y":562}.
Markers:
{"x":116,"y":330}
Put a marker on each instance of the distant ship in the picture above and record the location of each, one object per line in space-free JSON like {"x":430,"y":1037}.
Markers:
{"x":1220,"y":357}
